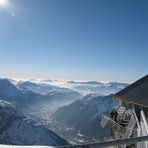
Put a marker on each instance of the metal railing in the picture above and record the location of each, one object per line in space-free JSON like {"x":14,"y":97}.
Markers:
{"x":133,"y":128}
{"x":89,"y":145}
{"x":108,"y":121}
{"x":110,"y":143}
{"x":129,"y":128}
{"x":144,"y":129}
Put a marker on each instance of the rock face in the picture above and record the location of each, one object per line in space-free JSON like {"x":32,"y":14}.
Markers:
{"x":17,"y":129}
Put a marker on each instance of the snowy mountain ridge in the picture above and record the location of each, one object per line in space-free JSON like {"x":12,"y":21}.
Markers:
{"x":17,"y":129}
{"x":83,"y":87}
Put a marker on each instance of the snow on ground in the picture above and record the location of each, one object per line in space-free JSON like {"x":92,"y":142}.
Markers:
{"x":13,"y":146}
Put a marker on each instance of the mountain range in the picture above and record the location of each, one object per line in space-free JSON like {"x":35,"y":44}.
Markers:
{"x":62,"y":108}
{"x":17,"y":129}
{"x":35,"y":105}
{"x":83,"y":87}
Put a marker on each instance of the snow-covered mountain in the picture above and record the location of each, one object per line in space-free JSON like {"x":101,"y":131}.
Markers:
{"x":88,"y":87}
{"x":40,"y":88}
{"x":16,"y":129}
{"x":78,"y":122}
{"x":98,"y":87}
{"x":34,"y":104}
{"x":87,"y":82}
{"x":53,"y":92}
{"x":20,"y":98}
{"x":83,"y":87}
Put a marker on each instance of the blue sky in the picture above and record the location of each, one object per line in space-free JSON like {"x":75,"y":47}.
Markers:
{"x":105,"y":40}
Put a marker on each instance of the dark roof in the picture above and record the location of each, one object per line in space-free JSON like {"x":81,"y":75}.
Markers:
{"x":136,"y":93}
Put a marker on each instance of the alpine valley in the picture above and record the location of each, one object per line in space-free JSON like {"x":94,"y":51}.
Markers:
{"x":53,"y":112}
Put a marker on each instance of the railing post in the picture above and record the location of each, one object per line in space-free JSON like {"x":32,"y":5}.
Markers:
{"x":144,"y":128}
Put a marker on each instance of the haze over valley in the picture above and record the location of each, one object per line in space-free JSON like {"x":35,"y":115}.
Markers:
{"x":73,"y":115}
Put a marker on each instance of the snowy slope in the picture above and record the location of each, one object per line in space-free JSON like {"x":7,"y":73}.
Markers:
{"x":16,"y":129}
{"x":14,"y":146}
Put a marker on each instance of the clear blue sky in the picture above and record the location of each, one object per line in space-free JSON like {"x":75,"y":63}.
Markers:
{"x":74,"y":39}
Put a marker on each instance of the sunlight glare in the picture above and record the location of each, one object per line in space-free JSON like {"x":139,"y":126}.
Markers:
{"x":2,"y":2}
{"x":7,"y":6}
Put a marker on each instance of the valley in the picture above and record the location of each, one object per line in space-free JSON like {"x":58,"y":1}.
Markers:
{"x":72,"y":115}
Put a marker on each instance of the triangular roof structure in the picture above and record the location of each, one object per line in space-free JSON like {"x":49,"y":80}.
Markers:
{"x":136,"y":93}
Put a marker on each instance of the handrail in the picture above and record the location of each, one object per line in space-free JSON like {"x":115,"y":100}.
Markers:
{"x":136,"y":118}
{"x":130,"y":127}
{"x":144,"y":129}
{"x":88,"y":145}
{"x":113,"y":121}
{"x":144,"y":120}
{"x":109,"y":143}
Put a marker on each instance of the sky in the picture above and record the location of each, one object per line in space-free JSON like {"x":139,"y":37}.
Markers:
{"x":104,"y":40}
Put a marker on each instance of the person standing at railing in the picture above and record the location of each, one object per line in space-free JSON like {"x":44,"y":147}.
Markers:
{"x":114,"y":115}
